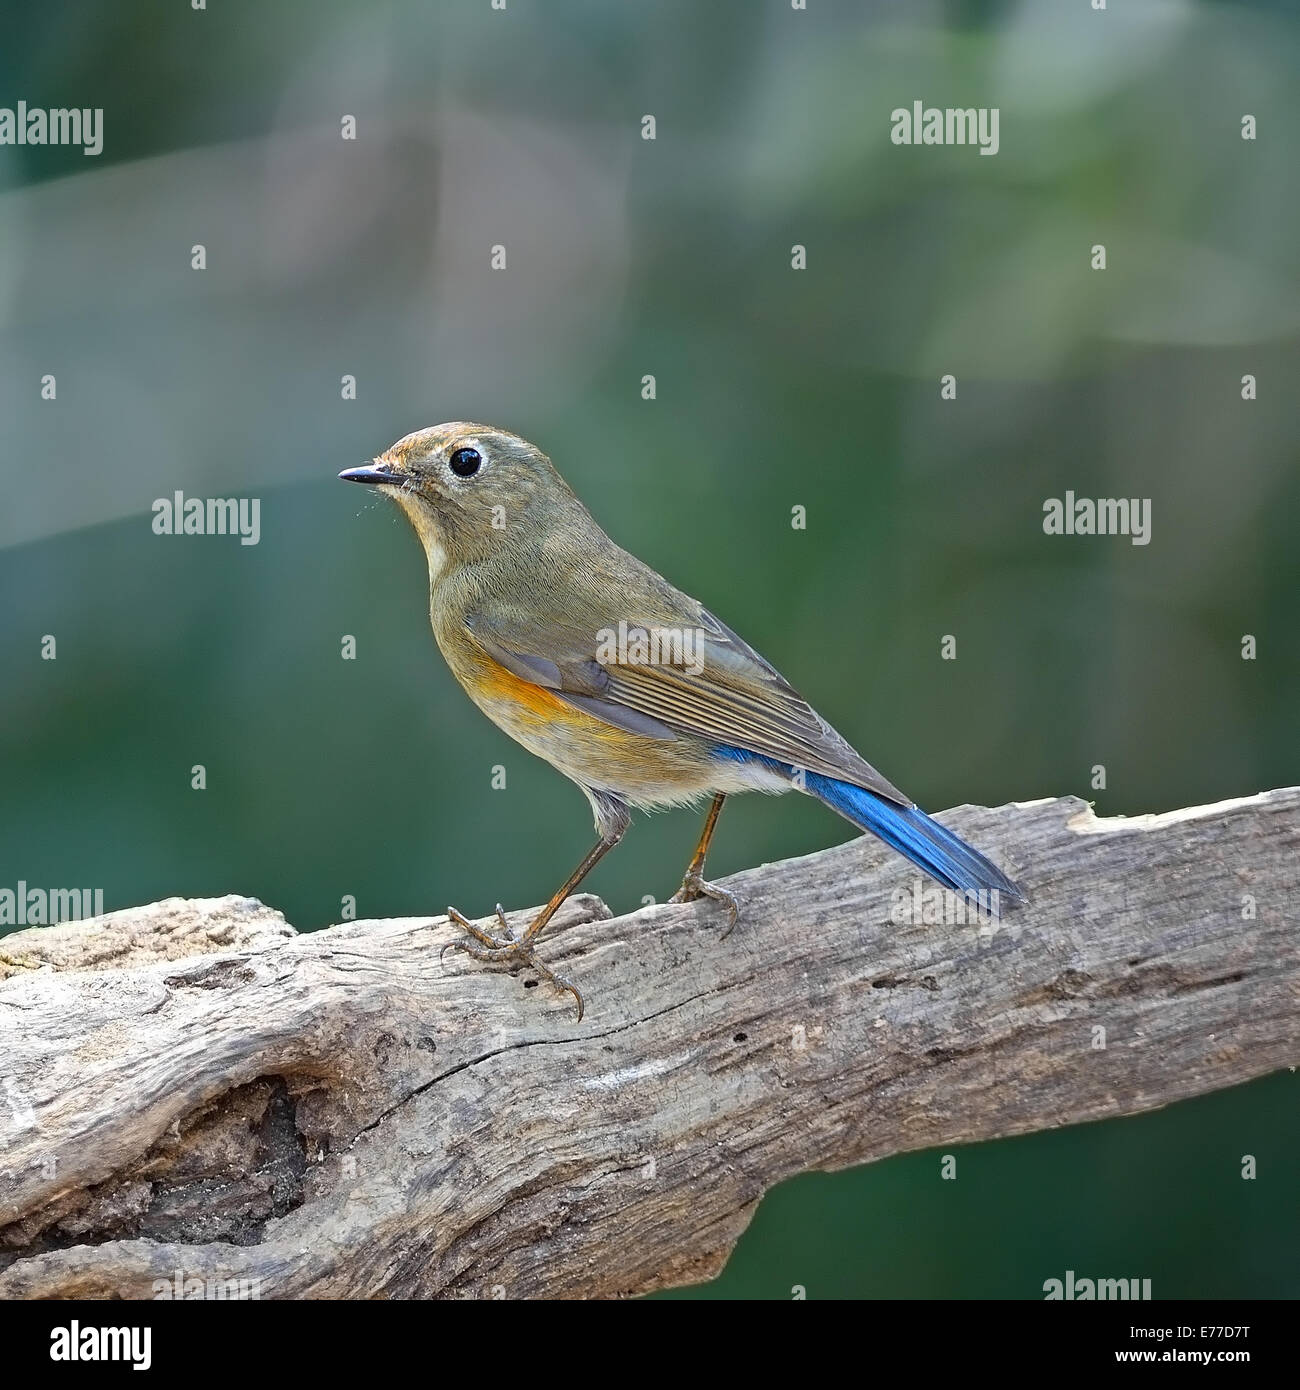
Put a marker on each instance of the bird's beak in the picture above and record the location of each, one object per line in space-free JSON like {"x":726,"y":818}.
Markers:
{"x":373,"y":473}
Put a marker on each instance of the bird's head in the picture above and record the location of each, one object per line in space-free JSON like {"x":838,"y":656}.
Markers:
{"x":466,"y":487}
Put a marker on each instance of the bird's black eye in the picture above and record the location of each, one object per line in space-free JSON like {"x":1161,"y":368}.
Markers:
{"x":465,"y":462}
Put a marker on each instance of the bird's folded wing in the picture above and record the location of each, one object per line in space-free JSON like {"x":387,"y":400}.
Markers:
{"x":726,"y":693}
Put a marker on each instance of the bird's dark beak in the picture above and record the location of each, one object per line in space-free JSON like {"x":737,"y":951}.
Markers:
{"x":373,"y":473}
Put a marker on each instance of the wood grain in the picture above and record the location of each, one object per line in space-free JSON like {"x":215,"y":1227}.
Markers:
{"x":195,"y":1087}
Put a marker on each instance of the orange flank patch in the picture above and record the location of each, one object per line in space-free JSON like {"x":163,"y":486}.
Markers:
{"x":540,"y":706}
{"x":647,"y":771}
{"x":497,"y":683}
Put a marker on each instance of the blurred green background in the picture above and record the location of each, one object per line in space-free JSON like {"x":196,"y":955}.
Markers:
{"x":775,"y":388}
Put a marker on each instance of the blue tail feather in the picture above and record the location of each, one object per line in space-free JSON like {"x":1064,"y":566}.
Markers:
{"x":929,"y":845}
{"x":926,"y":843}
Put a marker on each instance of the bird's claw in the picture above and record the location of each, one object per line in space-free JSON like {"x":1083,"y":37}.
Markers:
{"x":694,"y":887}
{"x":507,"y":947}
{"x":493,"y":943}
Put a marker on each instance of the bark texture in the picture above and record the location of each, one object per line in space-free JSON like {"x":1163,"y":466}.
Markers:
{"x":195,"y":1087}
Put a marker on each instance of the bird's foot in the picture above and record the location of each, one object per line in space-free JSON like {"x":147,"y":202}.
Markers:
{"x":504,"y":942}
{"x":508,"y":947}
{"x":694,"y":886}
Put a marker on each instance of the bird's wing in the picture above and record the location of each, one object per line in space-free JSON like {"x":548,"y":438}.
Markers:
{"x":725,"y":693}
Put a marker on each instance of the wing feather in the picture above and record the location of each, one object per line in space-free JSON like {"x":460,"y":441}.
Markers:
{"x":728,"y":695}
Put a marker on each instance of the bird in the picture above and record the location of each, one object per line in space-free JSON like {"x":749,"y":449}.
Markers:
{"x":635,"y":691}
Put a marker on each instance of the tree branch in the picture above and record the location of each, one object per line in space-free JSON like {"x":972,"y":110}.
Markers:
{"x":194,"y":1087}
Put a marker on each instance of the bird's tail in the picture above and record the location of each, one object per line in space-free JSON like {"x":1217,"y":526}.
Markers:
{"x":912,"y":833}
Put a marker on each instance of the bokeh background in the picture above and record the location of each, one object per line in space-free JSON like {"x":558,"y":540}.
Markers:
{"x":775,"y":388}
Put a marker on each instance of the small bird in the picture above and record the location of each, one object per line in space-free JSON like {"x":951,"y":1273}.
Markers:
{"x":629,"y":687}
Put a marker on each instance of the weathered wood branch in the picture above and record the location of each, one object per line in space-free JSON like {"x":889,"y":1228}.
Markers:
{"x":194,"y":1087}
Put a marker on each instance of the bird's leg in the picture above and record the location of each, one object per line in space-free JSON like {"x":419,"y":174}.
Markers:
{"x":507,"y":946}
{"x":693,"y":884}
